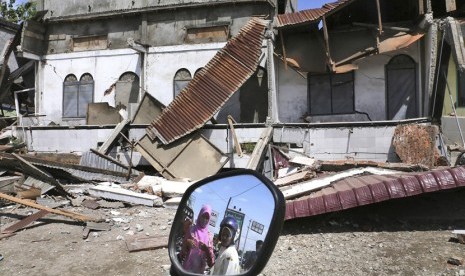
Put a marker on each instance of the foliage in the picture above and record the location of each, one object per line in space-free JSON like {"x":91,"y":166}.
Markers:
{"x":17,"y":13}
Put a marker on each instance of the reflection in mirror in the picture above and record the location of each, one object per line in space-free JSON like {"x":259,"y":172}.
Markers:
{"x":225,"y":223}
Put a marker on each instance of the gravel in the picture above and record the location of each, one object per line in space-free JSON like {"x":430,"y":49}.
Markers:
{"x":402,"y":237}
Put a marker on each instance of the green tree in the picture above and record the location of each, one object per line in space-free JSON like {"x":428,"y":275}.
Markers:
{"x":17,"y":13}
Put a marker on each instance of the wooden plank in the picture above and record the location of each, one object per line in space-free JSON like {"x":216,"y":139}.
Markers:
{"x":288,"y":179}
{"x":303,"y":161}
{"x":119,"y":127}
{"x":380,"y":21}
{"x":451,"y":5}
{"x":284,"y":49}
{"x":259,"y":149}
{"x":234,"y":135}
{"x":147,"y":243}
{"x":421,"y":7}
{"x":68,"y":214}
{"x":25,"y":222}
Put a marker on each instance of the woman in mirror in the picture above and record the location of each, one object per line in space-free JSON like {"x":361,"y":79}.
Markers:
{"x":227,"y":262}
{"x":197,"y":246}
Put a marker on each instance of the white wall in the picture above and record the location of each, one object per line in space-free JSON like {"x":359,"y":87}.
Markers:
{"x":341,"y":143}
{"x":164,"y":62}
{"x":105,"y":67}
{"x":370,"y":90}
{"x":108,"y":65}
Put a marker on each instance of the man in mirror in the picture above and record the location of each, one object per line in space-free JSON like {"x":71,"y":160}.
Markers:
{"x":227,"y":262}
{"x":252,"y":258}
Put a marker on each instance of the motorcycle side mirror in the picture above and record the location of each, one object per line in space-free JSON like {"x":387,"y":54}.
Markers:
{"x":226,"y":224}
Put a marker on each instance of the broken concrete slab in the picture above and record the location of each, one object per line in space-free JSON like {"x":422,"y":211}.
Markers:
{"x":168,"y":188}
{"x":95,"y":226}
{"x":173,"y":202}
{"x":124,"y":195}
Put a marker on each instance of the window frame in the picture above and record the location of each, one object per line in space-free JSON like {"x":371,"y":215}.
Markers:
{"x":79,"y":84}
{"x":331,"y":86}
{"x":393,"y":65}
{"x":175,"y":80}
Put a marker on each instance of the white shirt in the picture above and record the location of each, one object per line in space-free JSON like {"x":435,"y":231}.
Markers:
{"x":227,"y":262}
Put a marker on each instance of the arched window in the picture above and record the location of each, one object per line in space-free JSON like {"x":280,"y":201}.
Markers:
{"x":198,"y":71}
{"x":181,"y":79}
{"x":76,"y":95}
{"x":127,"y":89}
{"x":401,"y":88}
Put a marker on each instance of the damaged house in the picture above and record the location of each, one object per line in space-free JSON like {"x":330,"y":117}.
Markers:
{"x":94,"y":59}
{"x":355,"y":80}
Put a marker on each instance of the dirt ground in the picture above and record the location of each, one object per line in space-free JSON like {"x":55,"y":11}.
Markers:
{"x":404,"y":237}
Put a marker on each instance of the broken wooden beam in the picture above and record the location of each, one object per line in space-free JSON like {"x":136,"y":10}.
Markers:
{"x":259,"y":149}
{"x":234,"y":135}
{"x":28,"y":203}
{"x":147,"y":243}
{"x":292,"y":178}
{"x":25,"y":222}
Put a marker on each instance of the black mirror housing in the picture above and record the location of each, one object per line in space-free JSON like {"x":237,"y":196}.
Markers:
{"x":254,"y":201}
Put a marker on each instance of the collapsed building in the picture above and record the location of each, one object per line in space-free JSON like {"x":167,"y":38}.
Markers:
{"x":194,"y":87}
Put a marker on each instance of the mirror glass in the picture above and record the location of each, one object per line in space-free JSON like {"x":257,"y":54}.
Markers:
{"x":225,"y":222}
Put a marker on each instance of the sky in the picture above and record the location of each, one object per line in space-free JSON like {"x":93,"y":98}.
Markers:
{"x":311,"y":4}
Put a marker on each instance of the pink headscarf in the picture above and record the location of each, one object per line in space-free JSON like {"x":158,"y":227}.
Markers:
{"x":199,"y":232}
{"x":196,"y":259}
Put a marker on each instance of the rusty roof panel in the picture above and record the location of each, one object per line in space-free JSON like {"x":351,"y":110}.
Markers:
{"x":307,"y":16}
{"x":213,"y":86}
{"x":360,"y":190}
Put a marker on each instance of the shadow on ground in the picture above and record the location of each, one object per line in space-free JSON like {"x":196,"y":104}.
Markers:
{"x":443,"y":210}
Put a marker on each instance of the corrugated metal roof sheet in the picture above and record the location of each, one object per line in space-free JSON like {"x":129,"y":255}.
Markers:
{"x":94,"y":160}
{"x":357,"y":191}
{"x":307,"y":16}
{"x":207,"y":92}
